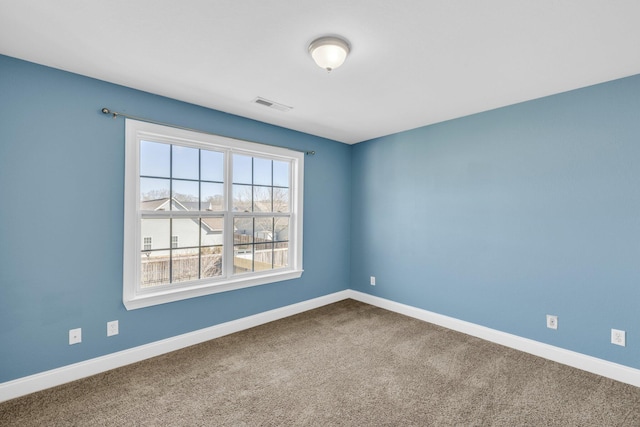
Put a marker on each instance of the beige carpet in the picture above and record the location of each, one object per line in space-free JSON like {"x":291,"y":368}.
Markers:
{"x":344,"y":364}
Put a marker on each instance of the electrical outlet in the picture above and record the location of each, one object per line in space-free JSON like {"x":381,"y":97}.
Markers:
{"x":552,"y":321}
{"x":618,"y":337}
{"x":372,"y":281}
{"x":112,"y":328}
{"x":75,"y":336}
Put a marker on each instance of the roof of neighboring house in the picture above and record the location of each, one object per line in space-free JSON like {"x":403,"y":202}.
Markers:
{"x":210,"y":223}
{"x":161,"y":204}
{"x":190,"y":206}
{"x":214,"y":224}
{"x":153,"y":205}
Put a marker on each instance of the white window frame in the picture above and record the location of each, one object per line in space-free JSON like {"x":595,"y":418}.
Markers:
{"x":133,"y":295}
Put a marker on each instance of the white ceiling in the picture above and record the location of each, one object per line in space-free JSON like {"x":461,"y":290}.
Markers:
{"x":413,"y":62}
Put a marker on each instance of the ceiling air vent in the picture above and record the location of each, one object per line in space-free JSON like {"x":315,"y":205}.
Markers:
{"x":271,"y":104}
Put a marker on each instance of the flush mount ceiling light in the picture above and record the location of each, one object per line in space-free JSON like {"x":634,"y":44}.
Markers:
{"x":329,"y":52}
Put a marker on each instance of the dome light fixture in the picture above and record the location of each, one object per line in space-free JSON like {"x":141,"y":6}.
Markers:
{"x":329,"y":52}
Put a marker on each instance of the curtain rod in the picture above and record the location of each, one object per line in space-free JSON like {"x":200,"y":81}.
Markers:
{"x":116,"y":114}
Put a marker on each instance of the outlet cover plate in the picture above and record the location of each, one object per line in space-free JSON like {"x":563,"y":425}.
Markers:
{"x":552,"y":321}
{"x":75,"y":336}
{"x":618,"y":337}
{"x":112,"y":328}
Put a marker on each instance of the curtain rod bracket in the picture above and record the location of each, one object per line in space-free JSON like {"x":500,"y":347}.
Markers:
{"x":107,"y":111}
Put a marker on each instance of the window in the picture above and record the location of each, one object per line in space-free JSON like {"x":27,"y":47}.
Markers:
{"x":207,"y":214}
{"x":147,"y":243}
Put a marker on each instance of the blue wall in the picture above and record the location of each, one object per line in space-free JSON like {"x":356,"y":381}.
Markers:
{"x":503,"y":217}
{"x":497,"y":219}
{"x":61,"y":220}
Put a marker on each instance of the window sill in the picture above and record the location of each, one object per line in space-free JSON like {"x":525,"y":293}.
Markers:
{"x":163,"y":296}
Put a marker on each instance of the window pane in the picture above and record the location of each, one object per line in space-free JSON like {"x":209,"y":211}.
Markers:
{"x":185,"y":195}
{"x":185,"y":232}
{"x":281,"y":174}
{"x":154,"y":159}
{"x":212,"y":166}
{"x":154,"y":268}
{"x":185,"y":264}
{"x":184,"y":162}
{"x":242,"y":172}
{"x":158,"y":230}
{"x":281,"y":255}
{"x":242,"y":198}
{"x":281,"y":200}
{"x":211,"y":231}
{"x":242,"y":258}
{"x":261,"y":171}
{"x":154,"y":194}
{"x":262,"y":199}
{"x":263,"y":257}
{"x":281,"y":229}
{"x":263,"y":229}
{"x":242,"y":230}
{"x":212,"y":197}
{"x":211,"y":261}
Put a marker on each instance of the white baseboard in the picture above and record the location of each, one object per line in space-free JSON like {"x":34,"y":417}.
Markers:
{"x":581,"y":361}
{"x":76,"y":371}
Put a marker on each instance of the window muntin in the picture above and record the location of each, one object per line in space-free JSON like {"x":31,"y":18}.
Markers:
{"x":216,"y":214}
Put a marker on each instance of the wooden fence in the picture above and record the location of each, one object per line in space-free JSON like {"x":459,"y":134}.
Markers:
{"x":156,"y":271}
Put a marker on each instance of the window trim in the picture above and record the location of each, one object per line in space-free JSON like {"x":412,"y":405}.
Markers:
{"x":133,"y":296}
